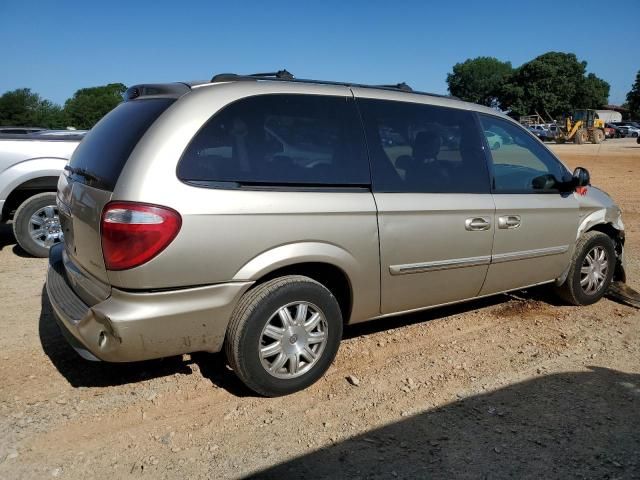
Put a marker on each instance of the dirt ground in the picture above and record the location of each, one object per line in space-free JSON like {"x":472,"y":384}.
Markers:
{"x":513,"y":386}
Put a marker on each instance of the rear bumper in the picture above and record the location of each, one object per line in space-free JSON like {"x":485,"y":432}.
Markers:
{"x":140,"y":326}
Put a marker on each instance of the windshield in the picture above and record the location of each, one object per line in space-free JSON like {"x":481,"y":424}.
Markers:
{"x":579,"y":115}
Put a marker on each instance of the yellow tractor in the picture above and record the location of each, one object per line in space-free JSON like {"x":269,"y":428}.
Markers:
{"x":581,"y":127}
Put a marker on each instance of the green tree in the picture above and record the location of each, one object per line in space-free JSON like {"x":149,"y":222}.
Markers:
{"x":24,"y":108}
{"x":593,"y":93}
{"x":553,"y":83}
{"x":479,"y":80}
{"x":88,"y":105}
{"x":633,"y":98}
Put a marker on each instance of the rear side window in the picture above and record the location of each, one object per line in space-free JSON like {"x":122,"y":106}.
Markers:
{"x":280,"y":140}
{"x":423,"y":148}
{"x":104,"y":151}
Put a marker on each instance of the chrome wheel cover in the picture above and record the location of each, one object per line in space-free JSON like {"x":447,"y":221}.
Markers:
{"x":293,"y":340}
{"x":593,"y":272}
{"x":44,"y":226}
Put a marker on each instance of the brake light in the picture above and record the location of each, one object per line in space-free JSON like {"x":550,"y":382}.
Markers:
{"x":134,"y":233}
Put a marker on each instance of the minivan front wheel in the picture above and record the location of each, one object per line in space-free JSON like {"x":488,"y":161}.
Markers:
{"x":591,"y":271}
{"x":283,"y":335}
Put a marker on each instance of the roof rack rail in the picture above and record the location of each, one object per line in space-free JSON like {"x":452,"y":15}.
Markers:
{"x":285,"y":76}
{"x":280,"y":74}
{"x":398,"y":86}
{"x":228,"y":77}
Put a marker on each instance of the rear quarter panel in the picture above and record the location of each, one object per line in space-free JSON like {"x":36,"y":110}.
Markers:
{"x":229,"y":235}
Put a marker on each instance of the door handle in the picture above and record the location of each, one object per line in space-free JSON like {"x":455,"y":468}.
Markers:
{"x":476,"y":224}
{"x":509,"y":222}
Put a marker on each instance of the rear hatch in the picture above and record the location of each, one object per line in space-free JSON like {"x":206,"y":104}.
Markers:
{"x":87,"y":185}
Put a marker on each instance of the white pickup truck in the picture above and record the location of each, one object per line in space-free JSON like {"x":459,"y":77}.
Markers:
{"x":29,"y":169}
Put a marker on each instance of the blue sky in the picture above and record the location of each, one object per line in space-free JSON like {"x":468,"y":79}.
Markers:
{"x":56,"y":47}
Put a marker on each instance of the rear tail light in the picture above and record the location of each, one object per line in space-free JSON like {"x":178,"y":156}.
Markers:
{"x":134,"y":233}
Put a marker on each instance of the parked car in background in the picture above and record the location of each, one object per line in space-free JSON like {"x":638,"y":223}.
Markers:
{"x":30,"y":165}
{"x":184,"y":230}
{"x":629,"y":131}
{"x":633,"y":130}
{"x":618,"y":131}
{"x":541,"y":131}
{"x":609,"y":132}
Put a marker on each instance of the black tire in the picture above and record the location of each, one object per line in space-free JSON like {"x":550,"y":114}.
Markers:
{"x":571,"y":291}
{"x":22,"y":225}
{"x":496,"y":145}
{"x":251,"y":315}
{"x":598,"y":136}
{"x":581,"y":136}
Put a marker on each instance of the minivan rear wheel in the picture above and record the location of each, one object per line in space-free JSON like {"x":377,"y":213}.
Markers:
{"x":283,"y":335}
{"x":591,"y":271}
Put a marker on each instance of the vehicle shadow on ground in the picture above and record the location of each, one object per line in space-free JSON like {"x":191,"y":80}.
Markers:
{"x":83,"y":373}
{"x":569,"y":425}
{"x":8,"y":239}
{"x":6,"y":236}
{"x":17,"y":250}
{"x":537,"y":294}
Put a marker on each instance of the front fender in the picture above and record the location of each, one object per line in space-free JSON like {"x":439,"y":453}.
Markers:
{"x":607,"y":216}
{"x":603,"y":216}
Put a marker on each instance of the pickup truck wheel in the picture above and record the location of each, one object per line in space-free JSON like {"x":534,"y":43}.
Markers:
{"x":36,"y":225}
{"x":591,"y":271}
{"x":283,"y":335}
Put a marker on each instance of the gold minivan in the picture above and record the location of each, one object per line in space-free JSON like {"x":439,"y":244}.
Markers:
{"x":259,"y":214}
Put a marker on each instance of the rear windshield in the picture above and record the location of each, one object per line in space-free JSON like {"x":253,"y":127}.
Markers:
{"x":102,"y":154}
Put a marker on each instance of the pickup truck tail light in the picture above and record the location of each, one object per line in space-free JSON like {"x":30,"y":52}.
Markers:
{"x":134,"y":233}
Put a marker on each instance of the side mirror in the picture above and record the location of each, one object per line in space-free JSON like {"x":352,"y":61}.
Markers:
{"x":581,"y":177}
